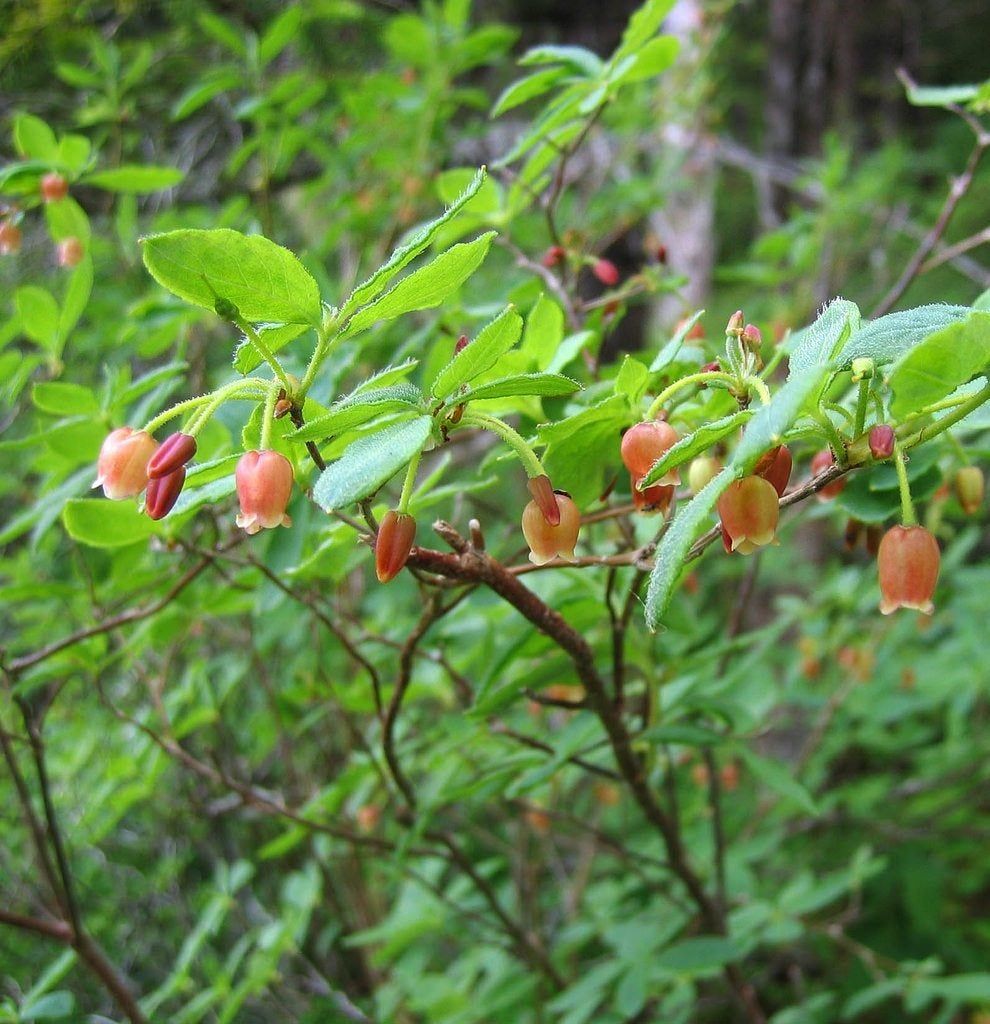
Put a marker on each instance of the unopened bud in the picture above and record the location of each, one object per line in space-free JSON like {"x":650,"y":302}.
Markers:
{"x":606,"y":272}
{"x":554,"y":255}
{"x":69,"y":253}
{"x":10,"y":239}
{"x":969,"y":487}
{"x":163,"y":492}
{"x":462,"y":344}
{"x":396,"y":534}
{"x":751,"y":337}
{"x":542,"y":491}
{"x":734,"y":327}
{"x":282,"y":408}
{"x":175,"y":451}
{"x":882,"y":441}
{"x":862,"y":368}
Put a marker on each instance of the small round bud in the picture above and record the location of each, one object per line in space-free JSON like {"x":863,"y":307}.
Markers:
{"x":10,"y":238}
{"x":163,"y":492}
{"x":396,"y":534}
{"x":882,"y":441}
{"x":862,"y":369}
{"x":53,"y":188}
{"x":553,"y":256}
{"x":702,"y":471}
{"x":69,"y":252}
{"x":734,"y":327}
{"x":175,"y":451}
{"x":606,"y":272}
{"x":969,"y":486}
{"x":908,"y":564}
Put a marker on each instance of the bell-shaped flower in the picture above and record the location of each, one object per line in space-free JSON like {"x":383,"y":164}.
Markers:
{"x":749,"y":510}
{"x":775,"y":467}
{"x":122,"y":468}
{"x":264,"y":486}
{"x":908,"y":563}
{"x":547,"y":542}
{"x":644,"y":443}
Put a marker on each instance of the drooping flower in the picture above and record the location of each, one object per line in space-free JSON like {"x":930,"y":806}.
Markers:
{"x":163,"y":492}
{"x":10,"y":238}
{"x":69,"y":252}
{"x":396,"y":533}
{"x":53,"y":187}
{"x":122,"y":467}
{"x":547,"y":542}
{"x":656,"y":498}
{"x":175,"y":451}
{"x":749,"y":510}
{"x":264,"y":486}
{"x":908,"y":564}
{"x":644,"y":443}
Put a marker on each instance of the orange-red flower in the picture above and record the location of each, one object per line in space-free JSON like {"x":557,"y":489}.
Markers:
{"x":775,"y":468}
{"x":264,"y":486}
{"x":749,"y":510}
{"x":547,"y":542}
{"x":122,"y":468}
{"x":644,"y":443}
{"x":908,"y":563}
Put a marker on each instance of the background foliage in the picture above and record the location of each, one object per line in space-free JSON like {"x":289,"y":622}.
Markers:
{"x":205,"y":763}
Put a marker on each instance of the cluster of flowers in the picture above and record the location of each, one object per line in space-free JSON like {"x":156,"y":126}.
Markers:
{"x":68,"y":252}
{"x":132,"y":461}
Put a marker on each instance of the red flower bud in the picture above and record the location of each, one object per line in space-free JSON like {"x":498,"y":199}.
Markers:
{"x":396,"y":534}
{"x":713,"y":367}
{"x":606,"y":272}
{"x":176,"y":450}
{"x":819,"y":464}
{"x":545,"y":541}
{"x":661,"y":254}
{"x":751,"y":337}
{"x":749,"y":510}
{"x":462,"y":343}
{"x":644,"y":443}
{"x":653,"y":499}
{"x":775,"y":467}
{"x":543,"y":494}
{"x":908,"y":562}
{"x":69,"y":252}
{"x":554,"y":255}
{"x":163,"y":492}
{"x":882,"y":441}
{"x":702,"y":471}
{"x":264,"y":486}
{"x":969,"y":487}
{"x":10,"y":239}
{"x":122,"y":468}
{"x":735,"y":324}
{"x":53,"y":188}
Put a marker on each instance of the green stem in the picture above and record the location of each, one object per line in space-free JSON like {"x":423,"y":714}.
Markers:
{"x":834,"y":437}
{"x":694,"y":378}
{"x":939,"y":426}
{"x":775,"y":361}
{"x":908,"y":517}
{"x":180,"y":408}
{"x":862,"y":401}
{"x":265,"y":352}
{"x":324,"y":346}
{"x":526,"y":455}
{"x":407,"y":484}
{"x":268,"y":418}
{"x":759,"y":387}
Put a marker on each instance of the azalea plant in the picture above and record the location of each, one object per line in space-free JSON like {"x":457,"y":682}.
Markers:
{"x":473,"y":785}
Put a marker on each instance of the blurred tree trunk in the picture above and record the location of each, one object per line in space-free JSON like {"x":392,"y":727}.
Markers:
{"x":784,"y":48}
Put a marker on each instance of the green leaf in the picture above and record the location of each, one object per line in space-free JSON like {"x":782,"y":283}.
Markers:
{"x":76,"y":298}
{"x":358,"y":409}
{"x":274,"y":336}
{"x":481,"y":354}
{"x":279,"y":34}
{"x":544,"y":331}
{"x":576,"y":59}
{"x":426,"y":287}
{"x":696,"y":956}
{"x":407,"y":252}
{"x":683,"y":734}
{"x":643,"y":25}
{"x":64,"y":399}
{"x":767,"y":428}
{"x":135,"y":178}
{"x":817,"y":344}
{"x":938,"y":365}
{"x":73,"y":152}
{"x":263,"y":280}
{"x":38,"y":313}
{"x":887,"y":338}
{"x":527,"y":88}
{"x":52,"y":1006}
{"x":779,"y":778}
{"x":34,"y":140}
{"x":203,"y":91}
{"x":689,"y":523}
{"x":546,"y":385}
{"x":654,"y":58}
{"x":695,"y":443}
{"x":370,"y":462}
{"x":106,"y":524}
{"x":940,"y":95}
{"x":632,"y":379}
